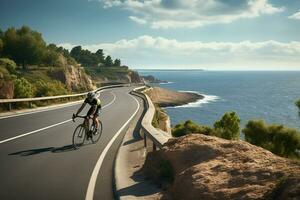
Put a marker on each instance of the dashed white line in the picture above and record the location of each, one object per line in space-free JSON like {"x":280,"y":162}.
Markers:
{"x":51,"y":126}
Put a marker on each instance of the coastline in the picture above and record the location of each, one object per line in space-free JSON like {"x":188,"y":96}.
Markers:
{"x":169,"y":98}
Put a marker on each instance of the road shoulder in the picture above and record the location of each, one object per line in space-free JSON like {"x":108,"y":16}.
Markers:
{"x":130,"y":182}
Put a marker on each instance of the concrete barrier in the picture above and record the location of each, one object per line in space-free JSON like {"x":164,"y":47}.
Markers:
{"x":157,"y":137}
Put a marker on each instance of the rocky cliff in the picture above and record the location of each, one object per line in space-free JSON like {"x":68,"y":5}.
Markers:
{"x":74,"y":77}
{"x":205,"y":167}
{"x":6,"y":89}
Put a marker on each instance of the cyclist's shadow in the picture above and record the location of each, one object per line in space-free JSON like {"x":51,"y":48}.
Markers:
{"x":31,"y":152}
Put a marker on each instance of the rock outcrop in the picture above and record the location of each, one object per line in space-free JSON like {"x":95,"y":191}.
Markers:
{"x":74,"y":78}
{"x":165,"y":98}
{"x":205,"y":167}
{"x":6,"y":89}
{"x":135,"y":77}
{"x":151,"y":79}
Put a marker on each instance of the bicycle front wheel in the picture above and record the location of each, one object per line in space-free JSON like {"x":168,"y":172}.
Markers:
{"x":79,"y":136}
{"x":98,"y":133}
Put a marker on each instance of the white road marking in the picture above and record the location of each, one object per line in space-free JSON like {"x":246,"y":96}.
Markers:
{"x":51,"y":126}
{"x":41,"y":109}
{"x":92,"y":183}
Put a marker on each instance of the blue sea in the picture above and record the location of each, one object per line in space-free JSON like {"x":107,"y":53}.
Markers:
{"x":253,"y":95}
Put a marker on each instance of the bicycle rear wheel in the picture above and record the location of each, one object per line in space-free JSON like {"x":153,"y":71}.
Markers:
{"x":79,"y":136}
{"x":96,"y":136}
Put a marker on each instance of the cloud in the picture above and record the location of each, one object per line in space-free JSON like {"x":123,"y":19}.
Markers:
{"x":147,"y":51}
{"x":137,"y":20}
{"x":191,"y":13}
{"x":295,"y":16}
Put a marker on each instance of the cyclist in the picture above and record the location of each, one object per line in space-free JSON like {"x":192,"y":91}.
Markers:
{"x":95,"y":104}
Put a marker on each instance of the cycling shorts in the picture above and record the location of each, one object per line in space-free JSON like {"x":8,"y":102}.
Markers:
{"x":96,"y":113}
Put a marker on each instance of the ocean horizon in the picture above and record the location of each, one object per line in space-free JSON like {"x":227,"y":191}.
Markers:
{"x":267,"y":95}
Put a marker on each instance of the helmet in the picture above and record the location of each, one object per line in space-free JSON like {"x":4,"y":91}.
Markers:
{"x":91,"y":95}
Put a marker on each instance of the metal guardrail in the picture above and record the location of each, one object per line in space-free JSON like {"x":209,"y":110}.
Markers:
{"x":11,"y":101}
{"x":157,"y":136}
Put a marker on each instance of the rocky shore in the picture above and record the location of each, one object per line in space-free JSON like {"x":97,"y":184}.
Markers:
{"x":167,"y":98}
{"x":196,"y":166}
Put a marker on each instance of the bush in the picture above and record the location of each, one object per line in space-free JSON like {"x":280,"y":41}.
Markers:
{"x":280,"y":140}
{"x":22,"y":88}
{"x":159,"y":115}
{"x":10,"y":65}
{"x":228,"y":127}
{"x":257,"y":133}
{"x":189,"y":127}
{"x":50,"y":88}
{"x":297,"y":103}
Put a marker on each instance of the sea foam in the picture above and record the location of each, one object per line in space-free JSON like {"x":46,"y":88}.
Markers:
{"x":207,"y":99}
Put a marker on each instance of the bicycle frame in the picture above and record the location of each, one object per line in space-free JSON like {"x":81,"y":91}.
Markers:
{"x":86,"y":122}
{"x":87,"y":131}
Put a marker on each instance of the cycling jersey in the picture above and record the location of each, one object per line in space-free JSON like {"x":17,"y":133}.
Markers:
{"x":93,"y":102}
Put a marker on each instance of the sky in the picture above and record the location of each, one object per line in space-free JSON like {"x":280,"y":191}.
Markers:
{"x":170,"y":34}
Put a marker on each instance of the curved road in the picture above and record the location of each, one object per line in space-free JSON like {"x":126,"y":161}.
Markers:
{"x":37,"y":160}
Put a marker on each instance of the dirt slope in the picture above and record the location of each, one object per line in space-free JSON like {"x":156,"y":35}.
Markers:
{"x":205,"y":167}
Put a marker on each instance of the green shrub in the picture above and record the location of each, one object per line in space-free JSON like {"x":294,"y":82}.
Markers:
{"x":1,"y":46}
{"x":10,"y":65}
{"x":228,"y":127}
{"x":257,"y":133}
{"x":22,"y":88}
{"x":297,"y":103}
{"x":53,"y":88}
{"x":278,"y":139}
{"x":189,"y":127}
{"x":4,"y":74}
{"x":159,"y":115}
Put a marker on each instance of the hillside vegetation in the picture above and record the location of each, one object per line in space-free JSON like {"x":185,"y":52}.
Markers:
{"x":278,"y":139}
{"x":29,"y":67}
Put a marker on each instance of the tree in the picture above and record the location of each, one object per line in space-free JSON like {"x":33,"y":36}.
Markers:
{"x":297,"y":103}
{"x":85,"y":57}
{"x":1,"y":42}
{"x":117,"y":62}
{"x":228,"y":127}
{"x":100,"y":56}
{"x":76,"y":53}
{"x":278,"y":139}
{"x":22,"y":88}
{"x":189,"y":127}
{"x":108,"y":61}
{"x":1,"y":33}
{"x":10,"y":65}
{"x":51,"y":58}
{"x":1,"y":47}
{"x":10,"y":39}
{"x":24,"y":46}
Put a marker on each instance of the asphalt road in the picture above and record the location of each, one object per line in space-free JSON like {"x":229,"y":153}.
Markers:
{"x":43,"y":165}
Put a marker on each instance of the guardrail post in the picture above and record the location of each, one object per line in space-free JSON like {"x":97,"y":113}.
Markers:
{"x":154,"y":147}
{"x":145,"y":140}
{"x":9,"y":106}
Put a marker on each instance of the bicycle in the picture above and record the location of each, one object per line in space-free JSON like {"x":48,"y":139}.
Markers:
{"x":84,"y":130}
